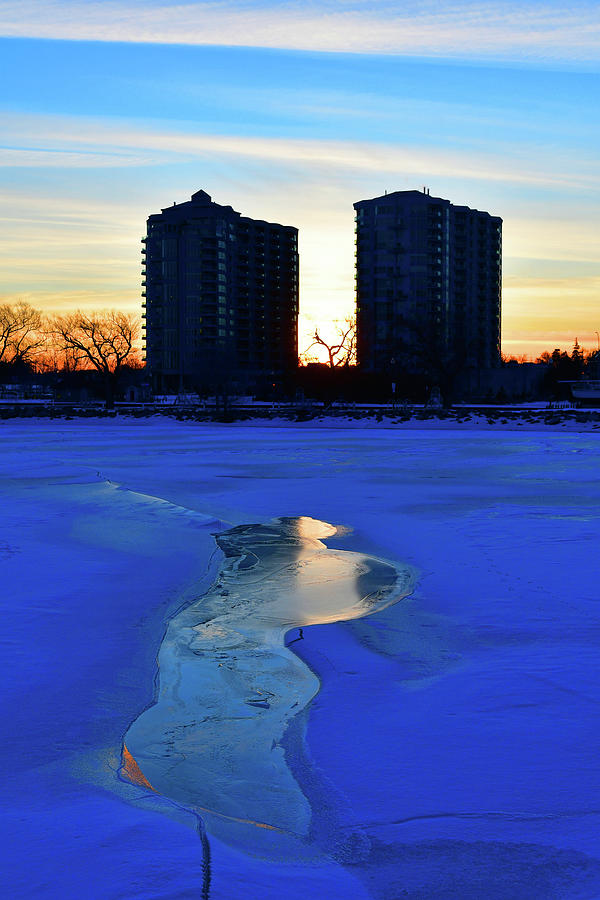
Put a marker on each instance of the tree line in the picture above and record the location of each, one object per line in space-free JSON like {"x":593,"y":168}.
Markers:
{"x":107,"y":342}
{"x":104,"y":342}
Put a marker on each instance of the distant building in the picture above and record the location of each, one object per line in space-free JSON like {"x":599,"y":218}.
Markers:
{"x":428,"y":284}
{"x":221,"y":298}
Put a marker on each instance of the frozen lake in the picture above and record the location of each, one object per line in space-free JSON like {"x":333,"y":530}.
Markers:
{"x":447,"y":746}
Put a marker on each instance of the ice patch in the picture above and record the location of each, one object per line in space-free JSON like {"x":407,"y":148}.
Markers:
{"x":228,"y":685}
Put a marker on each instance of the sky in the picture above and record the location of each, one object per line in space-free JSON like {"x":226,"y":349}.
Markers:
{"x":291,"y":112}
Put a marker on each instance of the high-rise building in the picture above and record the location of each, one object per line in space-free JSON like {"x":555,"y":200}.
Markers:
{"x":221,"y":298}
{"x":428,"y":284}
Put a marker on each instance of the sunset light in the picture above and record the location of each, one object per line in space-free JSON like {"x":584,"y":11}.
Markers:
{"x":299,"y":449}
{"x":112,"y":110}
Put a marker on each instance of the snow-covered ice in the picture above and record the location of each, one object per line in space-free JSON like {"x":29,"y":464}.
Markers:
{"x":452,"y":750}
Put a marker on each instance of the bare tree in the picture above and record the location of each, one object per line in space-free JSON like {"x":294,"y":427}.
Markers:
{"x":515,"y":358}
{"x":104,"y":341}
{"x":424,"y":351}
{"x":342,"y":350}
{"x":56,"y":357}
{"x":21,"y":336}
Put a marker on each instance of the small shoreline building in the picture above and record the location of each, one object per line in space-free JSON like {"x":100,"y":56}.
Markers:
{"x":221,"y":299}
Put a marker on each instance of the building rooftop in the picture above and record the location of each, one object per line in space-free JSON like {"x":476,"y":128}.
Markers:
{"x":422,"y":195}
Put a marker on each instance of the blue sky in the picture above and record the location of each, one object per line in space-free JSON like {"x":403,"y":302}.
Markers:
{"x":112,"y":110}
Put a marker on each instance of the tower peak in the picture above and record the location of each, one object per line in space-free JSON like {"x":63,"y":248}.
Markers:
{"x":201,"y":197}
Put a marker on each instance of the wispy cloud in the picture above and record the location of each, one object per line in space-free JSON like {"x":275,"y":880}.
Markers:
{"x":41,"y":141}
{"x":499,"y":30}
{"x":27,"y":157}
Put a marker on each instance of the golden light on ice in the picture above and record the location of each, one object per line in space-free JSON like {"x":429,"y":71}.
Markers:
{"x":132,"y":771}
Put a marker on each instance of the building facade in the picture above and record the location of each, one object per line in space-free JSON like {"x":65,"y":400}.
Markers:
{"x":221,"y":299}
{"x":428,"y":285}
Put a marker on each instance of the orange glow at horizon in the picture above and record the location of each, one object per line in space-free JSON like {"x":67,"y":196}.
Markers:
{"x":550,"y":270}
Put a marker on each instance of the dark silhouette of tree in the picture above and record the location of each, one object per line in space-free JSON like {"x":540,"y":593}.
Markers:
{"x":103,"y":341}
{"x":562,"y":368}
{"x":342,"y":350}
{"x":592,"y":364}
{"x":577,"y":359}
{"x":424,"y":351}
{"x":56,"y":357}
{"x":21,"y":337}
{"x":215,"y":375}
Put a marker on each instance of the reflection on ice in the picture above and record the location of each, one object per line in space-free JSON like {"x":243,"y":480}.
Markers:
{"x":132,"y":771}
{"x":282,"y":574}
{"x":228,"y":684}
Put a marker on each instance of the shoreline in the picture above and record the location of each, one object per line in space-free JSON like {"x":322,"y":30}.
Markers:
{"x":464,"y":419}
